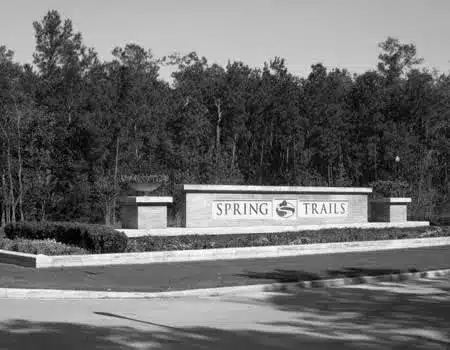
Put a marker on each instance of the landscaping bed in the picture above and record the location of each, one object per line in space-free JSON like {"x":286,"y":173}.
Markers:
{"x":194,"y":242}
{"x":77,"y":239}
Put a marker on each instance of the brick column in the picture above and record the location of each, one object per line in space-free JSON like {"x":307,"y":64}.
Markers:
{"x":391,"y":209}
{"x":142,"y":212}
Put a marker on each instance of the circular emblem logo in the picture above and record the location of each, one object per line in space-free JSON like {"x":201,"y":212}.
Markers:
{"x":285,"y":209}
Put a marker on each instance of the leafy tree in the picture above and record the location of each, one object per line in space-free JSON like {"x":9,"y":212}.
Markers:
{"x":396,"y":58}
{"x":72,"y":127}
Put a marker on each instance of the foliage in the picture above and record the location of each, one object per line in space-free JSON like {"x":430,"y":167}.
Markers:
{"x":74,"y":129}
{"x":41,"y":246}
{"x":163,"y":243}
{"x":94,"y":238}
{"x":390,"y":188}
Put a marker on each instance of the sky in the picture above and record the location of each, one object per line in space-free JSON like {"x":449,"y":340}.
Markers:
{"x":340,"y":33}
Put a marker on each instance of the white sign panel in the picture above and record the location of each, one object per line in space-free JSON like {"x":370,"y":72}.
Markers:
{"x":242,"y":209}
{"x":322,"y":209}
{"x":278,"y":209}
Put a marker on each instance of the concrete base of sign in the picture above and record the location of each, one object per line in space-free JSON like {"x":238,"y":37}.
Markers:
{"x":390,"y":209}
{"x":144,"y":212}
{"x":234,"y":206}
{"x":181,"y":231}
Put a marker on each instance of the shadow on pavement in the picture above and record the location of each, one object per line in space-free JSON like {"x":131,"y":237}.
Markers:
{"x":413,"y":315}
{"x":21,"y":334}
{"x":358,"y":272}
{"x":282,"y":276}
{"x":388,"y":315}
{"x":286,"y":276}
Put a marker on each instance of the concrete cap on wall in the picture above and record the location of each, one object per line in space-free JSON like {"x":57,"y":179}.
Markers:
{"x":135,"y":200}
{"x":396,"y":200}
{"x":274,"y":189}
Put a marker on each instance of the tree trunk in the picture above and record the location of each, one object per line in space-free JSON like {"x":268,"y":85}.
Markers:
{"x":5,"y":206}
{"x":446,"y":176}
{"x":116,"y":170}
{"x":43,"y":218}
{"x":219,"y":119}
{"x":3,"y":217}
{"x":287,"y":157}
{"x":375,"y":162}
{"x":11,"y":183}
{"x":330,"y":174}
{"x":294,"y":154}
{"x":19,"y":175}
{"x":233,"y":153}
{"x":271,"y":134}
{"x":261,"y":159}
{"x":8,"y":195}
{"x":136,"y":143}
{"x":107,"y":213}
{"x":252,"y":148}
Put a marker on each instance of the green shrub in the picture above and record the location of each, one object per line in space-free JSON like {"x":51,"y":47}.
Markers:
{"x":162,"y":243}
{"x":40,"y":246}
{"x":103,"y":239}
{"x":94,"y":238}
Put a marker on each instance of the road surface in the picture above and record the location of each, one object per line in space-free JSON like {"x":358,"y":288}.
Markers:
{"x":410,"y":315}
{"x":210,"y":274}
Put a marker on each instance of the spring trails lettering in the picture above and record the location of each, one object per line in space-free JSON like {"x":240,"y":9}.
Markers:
{"x":278,"y":209}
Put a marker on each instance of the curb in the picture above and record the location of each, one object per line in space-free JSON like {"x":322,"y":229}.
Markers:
{"x":22,"y":293}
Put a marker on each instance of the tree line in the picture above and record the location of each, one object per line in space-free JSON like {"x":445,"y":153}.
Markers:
{"x":75,"y":129}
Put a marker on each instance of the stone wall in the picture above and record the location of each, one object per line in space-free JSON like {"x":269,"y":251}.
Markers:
{"x":205,"y":206}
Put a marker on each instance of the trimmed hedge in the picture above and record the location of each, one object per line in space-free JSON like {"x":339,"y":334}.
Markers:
{"x":163,"y":243}
{"x":94,"y":238}
{"x":40,"y":246}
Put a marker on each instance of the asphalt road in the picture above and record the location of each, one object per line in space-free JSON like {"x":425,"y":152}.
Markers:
{"x":412,"y":315}
{"x":209,"y":274}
